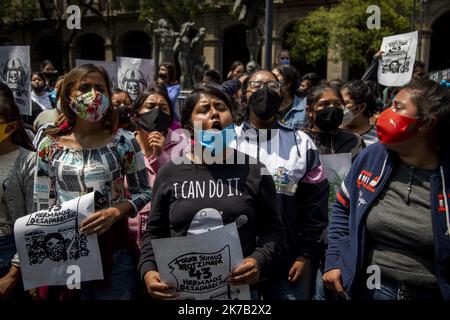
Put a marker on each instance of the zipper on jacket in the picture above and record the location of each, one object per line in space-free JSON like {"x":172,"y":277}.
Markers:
{"x":257,"y":146}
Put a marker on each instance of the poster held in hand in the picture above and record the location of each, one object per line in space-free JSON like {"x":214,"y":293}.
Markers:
{"x":198,"y":265}
{"x":49,"y":242}
{"x":397,"y":62}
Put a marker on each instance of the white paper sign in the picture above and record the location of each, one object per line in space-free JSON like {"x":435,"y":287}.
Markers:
{"x":15,"y":72}
{"x":109,"y":66}
{"x":134,"y":75}
{"x":49,"y":242}
{"x":337,"y":167}
{"x":397,"y":63}
{"x":198,"y":265}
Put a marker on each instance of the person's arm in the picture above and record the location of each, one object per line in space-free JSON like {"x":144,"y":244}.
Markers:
{"x":158,"y":227}
{"x":138,"y":188}
{"x":44,"y":195}
{"x":270,"y":232}
{"x":338,"y":230}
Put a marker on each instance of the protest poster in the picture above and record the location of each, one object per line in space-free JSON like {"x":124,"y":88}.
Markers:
{"x":134,"y":75}
{"x":109,"y":66}
{"x":397,"y":62}
{"x":15,"y":72}
{"x":336,"y":167}
{"x":49,"y":242}
{"x":198,"y":265}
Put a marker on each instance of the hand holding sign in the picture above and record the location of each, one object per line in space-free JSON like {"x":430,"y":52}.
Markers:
{"x":157,"y":288}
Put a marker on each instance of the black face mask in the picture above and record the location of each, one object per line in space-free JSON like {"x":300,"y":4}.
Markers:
{"x":124,"y":115}
{"x":264,"y":103}
{"x":154,"y":120}
{"x":329,"y":119}
{"x":163,"y":76}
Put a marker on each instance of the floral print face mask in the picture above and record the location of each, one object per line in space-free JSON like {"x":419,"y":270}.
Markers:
{"x":90,"y":106}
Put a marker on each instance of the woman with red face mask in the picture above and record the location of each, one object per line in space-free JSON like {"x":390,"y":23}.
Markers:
{"x":389,"y":230}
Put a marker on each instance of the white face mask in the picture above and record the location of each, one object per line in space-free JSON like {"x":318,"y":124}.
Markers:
{"x":349,"y":115}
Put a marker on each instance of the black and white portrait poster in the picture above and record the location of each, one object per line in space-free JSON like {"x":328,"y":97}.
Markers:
{"x":134,"y":75}
{"x":198,"y":265}
{"x":397,"y":63}
{"x":15,"y":72}
{"x":109,"y":66}
{"x":49,"y":244}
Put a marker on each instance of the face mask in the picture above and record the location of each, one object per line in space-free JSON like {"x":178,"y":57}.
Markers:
{"x":216,"y":140}
{"x":264,"y":103}
{"x":154,"y":120}
{"x":90,"y":106}
{"x":3,"y":133}
{"x":285,"y":61}
{"x":163,"y":76}
{"x":329,"y":119}
{"x":124,"y":114}
{"x":393,"y":127}
{"x":349,"y":115}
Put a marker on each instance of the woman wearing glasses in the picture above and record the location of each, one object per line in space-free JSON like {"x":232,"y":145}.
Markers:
{"x":325,"y":108}
{"x":292,"y":160}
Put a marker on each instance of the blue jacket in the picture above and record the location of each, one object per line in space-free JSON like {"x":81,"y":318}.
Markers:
{"x":361,"y":187}
{"x":295,"y":118}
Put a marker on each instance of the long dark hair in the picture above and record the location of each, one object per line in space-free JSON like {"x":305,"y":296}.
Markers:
{"x":10,"y":111}
{"x":361,"y":93}
{"x":194,"y":97}
{"x":171,"y":72}
{"x":433,"y":105}
{"x":314,"y":97}
{"x":154,"y":89}
{"x":109,"y":120}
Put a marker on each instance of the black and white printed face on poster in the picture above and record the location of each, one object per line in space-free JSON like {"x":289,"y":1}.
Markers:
{"x":51,"y":247}
{"x":109,"y":66}
{"x":134,"y":75}
{"x":397,"y":63}
{"x":15,"y":72}
{"x":198,"y":265}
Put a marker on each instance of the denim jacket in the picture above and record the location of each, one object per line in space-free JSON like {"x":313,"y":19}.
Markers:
{"x":295,"y":117}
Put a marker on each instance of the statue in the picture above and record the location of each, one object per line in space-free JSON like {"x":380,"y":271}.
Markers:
{"x":251,"y":11}
{"x":164,"y":40}
{"x":198,"y":59}
{"x":183,"y":46}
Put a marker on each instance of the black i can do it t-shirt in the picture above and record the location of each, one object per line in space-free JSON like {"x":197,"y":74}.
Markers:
{"x":194,"y":198}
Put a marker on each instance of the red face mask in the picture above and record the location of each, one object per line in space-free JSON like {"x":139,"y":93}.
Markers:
{"x":393,"y":127}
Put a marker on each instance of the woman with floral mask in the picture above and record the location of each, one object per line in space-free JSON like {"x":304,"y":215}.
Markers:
{"x":17,"y":162}
{"x":293,"y":162}
{"x":157,"y":136}
{"x":392,"y":217}
{"x":92,"y":155}
{"x":250,"y":200}
{"x":360,"y":105}
{"x":325,"y":111}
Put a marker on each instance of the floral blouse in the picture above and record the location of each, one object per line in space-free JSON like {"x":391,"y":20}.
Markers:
{"x":64,"y":173}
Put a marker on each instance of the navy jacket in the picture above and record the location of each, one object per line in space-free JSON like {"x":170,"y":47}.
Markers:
{"x":363,"y":184}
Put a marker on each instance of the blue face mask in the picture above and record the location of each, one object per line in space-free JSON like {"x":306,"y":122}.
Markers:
{"x":285,"y":61}
{"x":215,"y":140}
{"x":53,"y":96}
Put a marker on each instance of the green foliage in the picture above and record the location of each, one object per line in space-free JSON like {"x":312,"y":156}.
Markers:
{"x":344,"y":28}
{"x":16,"y":13}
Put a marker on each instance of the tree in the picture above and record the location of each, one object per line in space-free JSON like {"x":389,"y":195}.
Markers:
{"x":344,"y":28}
